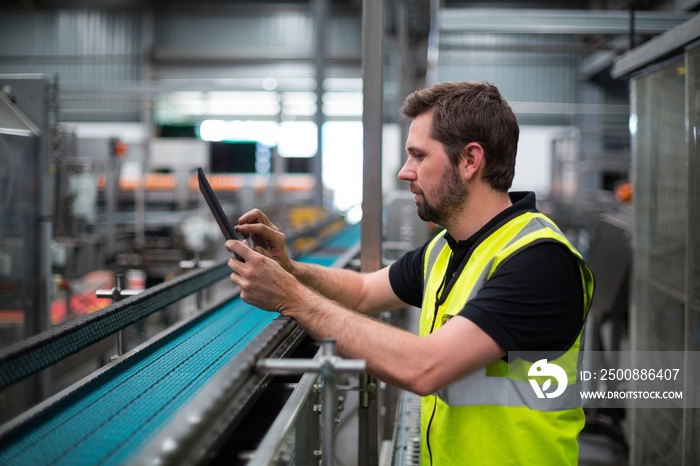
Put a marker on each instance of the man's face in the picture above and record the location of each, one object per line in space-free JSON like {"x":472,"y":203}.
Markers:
{"x":438,"y":187}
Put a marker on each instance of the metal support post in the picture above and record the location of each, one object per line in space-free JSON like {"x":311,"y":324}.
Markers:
{"x":320,"y":13}
{"x":329,"y":404}
{"x":117,"y":294}
{"x":371,"y":254}
{"x":111,"y":191}
{"x":328,"y":365}
{"x":197,"y":263}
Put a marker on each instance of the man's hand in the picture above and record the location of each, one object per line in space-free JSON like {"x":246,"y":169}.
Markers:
{"x":268,"y":240}
{"x":263,"y":282}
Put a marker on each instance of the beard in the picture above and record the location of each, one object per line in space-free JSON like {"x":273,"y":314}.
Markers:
{"x":445,"y":200}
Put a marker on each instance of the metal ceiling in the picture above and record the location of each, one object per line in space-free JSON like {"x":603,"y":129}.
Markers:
{"x":564,"y":22}
{"x":145,"y":46}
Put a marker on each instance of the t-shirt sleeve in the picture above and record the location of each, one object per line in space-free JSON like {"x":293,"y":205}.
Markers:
{"x":406,"y":277}
{"x":534,"y":301}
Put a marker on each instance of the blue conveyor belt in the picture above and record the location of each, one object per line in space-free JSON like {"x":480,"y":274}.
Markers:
{"x":109,"y":418}
{"x":327,"y":254}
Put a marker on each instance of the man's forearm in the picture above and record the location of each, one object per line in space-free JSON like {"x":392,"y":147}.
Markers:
{"x":387,"y":350}
{"x":340,"y":285}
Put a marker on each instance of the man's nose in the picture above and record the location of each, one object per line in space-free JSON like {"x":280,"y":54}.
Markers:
{"x":406,"y":173}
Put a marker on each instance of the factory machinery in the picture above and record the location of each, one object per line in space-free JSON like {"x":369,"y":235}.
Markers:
{"x":228,"y":383}
{"x":232,"y":385}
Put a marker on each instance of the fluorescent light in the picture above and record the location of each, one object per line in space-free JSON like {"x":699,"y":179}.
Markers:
{"x":298,"y":139}
{"x":263,"y":132}
{"x":342,"y":103}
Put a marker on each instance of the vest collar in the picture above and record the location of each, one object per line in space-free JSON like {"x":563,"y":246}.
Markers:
{"x":523,"y":201}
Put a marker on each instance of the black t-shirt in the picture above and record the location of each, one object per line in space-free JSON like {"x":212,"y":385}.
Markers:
{"x":533,"y":301}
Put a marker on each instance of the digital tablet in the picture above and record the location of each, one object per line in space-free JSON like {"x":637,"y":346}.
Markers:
{"x":216,"y":210}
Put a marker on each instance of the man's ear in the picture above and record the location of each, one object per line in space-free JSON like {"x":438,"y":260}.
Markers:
{"x":473,"y":161}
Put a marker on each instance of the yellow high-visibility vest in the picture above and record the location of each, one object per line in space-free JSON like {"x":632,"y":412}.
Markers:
{"x":493,"y":416}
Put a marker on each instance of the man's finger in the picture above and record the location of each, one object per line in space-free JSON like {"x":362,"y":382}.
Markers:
{"x":229,"y":245}
{"x":253,"y":228}
{"x":255,"y":216}
{"x":261,"y":234}
{"x":238,"y":247}
{"x":262,"y":250}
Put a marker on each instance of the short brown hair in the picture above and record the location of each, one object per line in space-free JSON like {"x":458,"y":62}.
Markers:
{"x":465,"y":112}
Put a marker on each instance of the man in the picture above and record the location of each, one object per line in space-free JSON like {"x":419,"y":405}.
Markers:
{"x":501,"y":278}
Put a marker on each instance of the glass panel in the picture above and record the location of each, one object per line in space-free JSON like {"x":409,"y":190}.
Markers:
{"x":657,"y":125}
{"x":693,"y":105}
{"x":659,"y":171}
{"x":18,"y":210}
{"x":692,"y":416}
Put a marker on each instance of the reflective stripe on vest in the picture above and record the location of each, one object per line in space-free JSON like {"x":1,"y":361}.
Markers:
{"x":480,"y":389}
